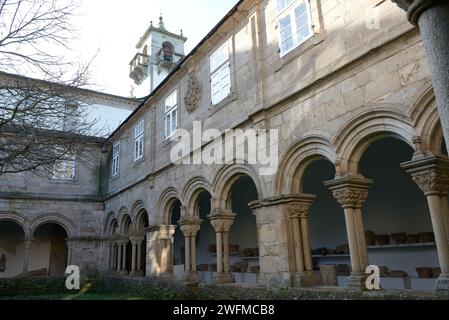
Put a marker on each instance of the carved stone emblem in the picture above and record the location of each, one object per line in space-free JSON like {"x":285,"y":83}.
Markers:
{"x":193,"y":96}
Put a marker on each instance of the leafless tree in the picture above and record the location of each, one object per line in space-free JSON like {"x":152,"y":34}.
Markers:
{"x":41,"y":121}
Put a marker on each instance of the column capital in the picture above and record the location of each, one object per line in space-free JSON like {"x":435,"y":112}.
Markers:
{"x":415,"y":8}
{"x":166,"y":232}
{"x":350,"y":192}
{"x":136,"y":239}
{"x":430,"y":173}
{"x":27,"y":242}
{"x":190,"y":226}
{"x":300,"y":206}
{"x":222,"y":220}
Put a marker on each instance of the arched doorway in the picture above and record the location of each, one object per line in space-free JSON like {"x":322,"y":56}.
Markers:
{"x":49,"y":251}
{"x":397,"y":218}
{"x":12,"y":249}
{"x":328,"y":237}
{"x":178,"y":242}
{"x":243,"y":239}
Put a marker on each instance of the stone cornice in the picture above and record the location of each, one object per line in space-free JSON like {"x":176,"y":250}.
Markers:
{"x":282,"y":199}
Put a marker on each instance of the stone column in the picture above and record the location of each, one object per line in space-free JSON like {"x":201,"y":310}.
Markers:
{"x":351,"y":193}
{"x":298,"y":211}
{"x":166,"y":234}
{"x":190,"y":227}
{"x":124,"y":245}
{"x":222,"y":221}
{"x":135,"y":263}
{"x":70,"y":245}
{"x":139,"y":270}
{"x":27,"y":242}
{"x":119,"y":256}
{"x":432,"y":18}
{"x":431,"y":174}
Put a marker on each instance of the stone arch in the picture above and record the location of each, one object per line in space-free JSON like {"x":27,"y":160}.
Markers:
{"x":22,"y":221}
{"x":125,"y":225}
{"x":139,"y":212}
{"x":425,"y":118}
{"x":57,"y":219}
{"x":297,"y":157}
{"x":376,"y":123}
{"x":192,"y":191}
{"x":166,"y":201}
{"x":111,"y":220}
{"x":225,"y":179}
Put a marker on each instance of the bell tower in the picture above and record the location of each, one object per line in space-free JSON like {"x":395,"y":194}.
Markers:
{"x":158,"y":52}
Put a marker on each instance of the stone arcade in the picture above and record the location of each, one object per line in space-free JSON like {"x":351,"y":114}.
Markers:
{"x":361,"y":144}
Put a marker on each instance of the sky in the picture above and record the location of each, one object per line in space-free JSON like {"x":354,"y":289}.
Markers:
{"x":110,"y":29}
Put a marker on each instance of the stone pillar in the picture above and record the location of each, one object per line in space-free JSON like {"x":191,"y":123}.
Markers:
{"x":432,"y":18}
{"x":119,"y":256}
{"x":136,"y":242}
{"x":166,"y":234}
{"x":70,"y":246}
{"x":298,"y":211}
{"x":124,"y":244}
{"x":111,"y":255}
{"x":190,"y":227}
{"x":139,"y":270}
{"x":222,"y":221}
{"x":27,"y":242}
{"x":431,"y":174}
{"x":351,"y":193}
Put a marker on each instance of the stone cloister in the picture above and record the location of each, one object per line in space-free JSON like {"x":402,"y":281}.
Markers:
{"x":283,"y":215}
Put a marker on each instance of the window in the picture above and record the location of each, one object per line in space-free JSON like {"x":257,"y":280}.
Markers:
{"x":295,"y":24}
{"x":139,"y":140}
{"x":116,"y":159}
{"x":171,"y":114}
{"x":64,"y":169}
{"x":220,"y":70}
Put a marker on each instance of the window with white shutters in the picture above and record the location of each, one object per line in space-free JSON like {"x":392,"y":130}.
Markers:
{"x":295,"y":25}
{"x":220,"y":70}
{"x":139,"y":141}
{"x":171,"y":114}
{"x":116,"y":160}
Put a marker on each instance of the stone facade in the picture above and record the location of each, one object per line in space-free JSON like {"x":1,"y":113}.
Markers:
{"x":331,"y":97}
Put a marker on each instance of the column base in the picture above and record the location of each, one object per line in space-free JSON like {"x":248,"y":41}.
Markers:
{"x":122,"y":273}
{"x":306,"y":279}
{"x":443,"y":282}
{"x":224,"y":277}
{"x":193,"y":277}
{"x":357,"y":281}
{"x":136,"y":274}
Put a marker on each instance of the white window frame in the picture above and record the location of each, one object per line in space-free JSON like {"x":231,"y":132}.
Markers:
{"x":221,"y":70}
{"x":289,"y":11}
{"x":64,"y":164}
{"x":171,"y":115}
{"x":139,"y":141}
{"x":116,"y":159}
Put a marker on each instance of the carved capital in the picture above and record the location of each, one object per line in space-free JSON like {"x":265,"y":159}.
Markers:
{"x":298,"y":210}
{"x":350,"y":192}
{"x":167,"y":232}
{"x":222,"y":220}
{"x":190,"y":227}
{"x":431,"y":174}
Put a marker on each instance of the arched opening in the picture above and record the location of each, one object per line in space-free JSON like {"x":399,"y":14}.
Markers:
{"x":126,"y":232}
{"x":206,"y":246}
{"x":397,"y":218}
{"x":143,"y":247}
{"x":49,"y":251}
{"x":12,"y":249}
{"x":243,"y":240}
{"x":328,"y":237}
{"x":178,"y":250}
